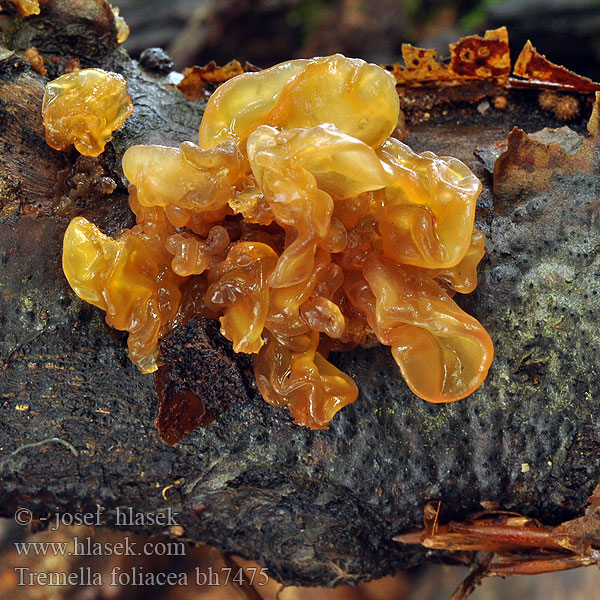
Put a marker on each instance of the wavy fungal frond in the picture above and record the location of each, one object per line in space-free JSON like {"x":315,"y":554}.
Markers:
{"x":303,"y":226}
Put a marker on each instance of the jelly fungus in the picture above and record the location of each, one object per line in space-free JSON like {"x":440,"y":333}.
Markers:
{"x":27,"y":8}
{"x":121,"y":26}
{"x":305,"y":228}
{"x":84,"y":108}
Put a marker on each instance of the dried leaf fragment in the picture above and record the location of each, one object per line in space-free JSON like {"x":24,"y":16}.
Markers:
{"x":198,"y":82}
{"x":526,"y":155}
{"x":535,"y":67}
{"x":582,"y":535}
{"x":471,"y":58}
{"x":512,"y":544}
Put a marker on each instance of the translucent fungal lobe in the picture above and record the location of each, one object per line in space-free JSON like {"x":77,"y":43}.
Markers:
{"x":303,"y":226}
{"x":83,"y":108}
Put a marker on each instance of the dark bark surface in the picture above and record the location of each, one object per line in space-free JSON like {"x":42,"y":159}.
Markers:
{"x":316,"y":507}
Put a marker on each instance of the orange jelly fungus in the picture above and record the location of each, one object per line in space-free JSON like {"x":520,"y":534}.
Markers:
{"x":302,"y":225}
{"x":84,"y":108}
{"x":27,"y":8}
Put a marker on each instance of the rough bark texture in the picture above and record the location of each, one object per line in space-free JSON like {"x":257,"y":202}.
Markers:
{"x":316,"y":507}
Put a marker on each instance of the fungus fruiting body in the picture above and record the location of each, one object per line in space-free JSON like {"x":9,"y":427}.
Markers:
{"x":301,"y":224}
{"x":27,"y":8}
{"x":83,"y":109}
{"x":121,"y":26}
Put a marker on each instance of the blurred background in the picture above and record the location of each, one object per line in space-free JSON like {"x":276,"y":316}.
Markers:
{"x":264,"y":32}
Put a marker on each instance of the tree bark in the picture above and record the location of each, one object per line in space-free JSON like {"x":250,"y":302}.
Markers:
{"x":316,"y":507}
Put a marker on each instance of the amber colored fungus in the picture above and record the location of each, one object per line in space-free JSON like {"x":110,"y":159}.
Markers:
{"x":27,"y":8}
{"x":302,"y":225}
{"x":36,"y":60}
{"x":121,"y":26}
{"x":84,"y":108}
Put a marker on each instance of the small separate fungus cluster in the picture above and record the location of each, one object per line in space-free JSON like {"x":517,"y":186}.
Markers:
{"x":306,"y":228}
{"x":83,"y":109}
{"x":27,"y":8}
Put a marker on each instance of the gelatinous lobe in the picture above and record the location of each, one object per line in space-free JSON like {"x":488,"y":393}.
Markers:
{"x":186,"y":178}
{"x":128,"y":277}
{"x":429,"y":209}
{"x":284,"y":320}
{"x":27,"y":8}
{"x":240,"y":292}
{"x":301,"y":225}
{"x":310,"y":386}
{"x":442,"y":352}
{"x":360,"y":99}
{"x":83,"y":108}
{"x":192,"y":255}
{"x":121,"y":26}
{"x":299,"y":170}
{"x":462,"y":277}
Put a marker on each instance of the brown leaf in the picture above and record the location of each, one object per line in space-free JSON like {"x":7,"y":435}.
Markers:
{"x":582,"y":535}
{"x":199,"y":82}
{"x":535,"y":67}
{"x":525,"y":155}
{"x":545,"y":153}
{"x":471,"y":58}
{"x":594,"y":499}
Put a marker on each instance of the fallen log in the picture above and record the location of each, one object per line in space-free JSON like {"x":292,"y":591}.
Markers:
{"x":315,"y":507}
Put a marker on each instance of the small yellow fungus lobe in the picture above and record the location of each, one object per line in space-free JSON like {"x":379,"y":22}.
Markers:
{"x":305,"y":228}
{"x":27,"y":8}
{"x":129,"y":277}
{"x":84,"y":108}
{"x":36,"y":60}
{"x":121,"y":26}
